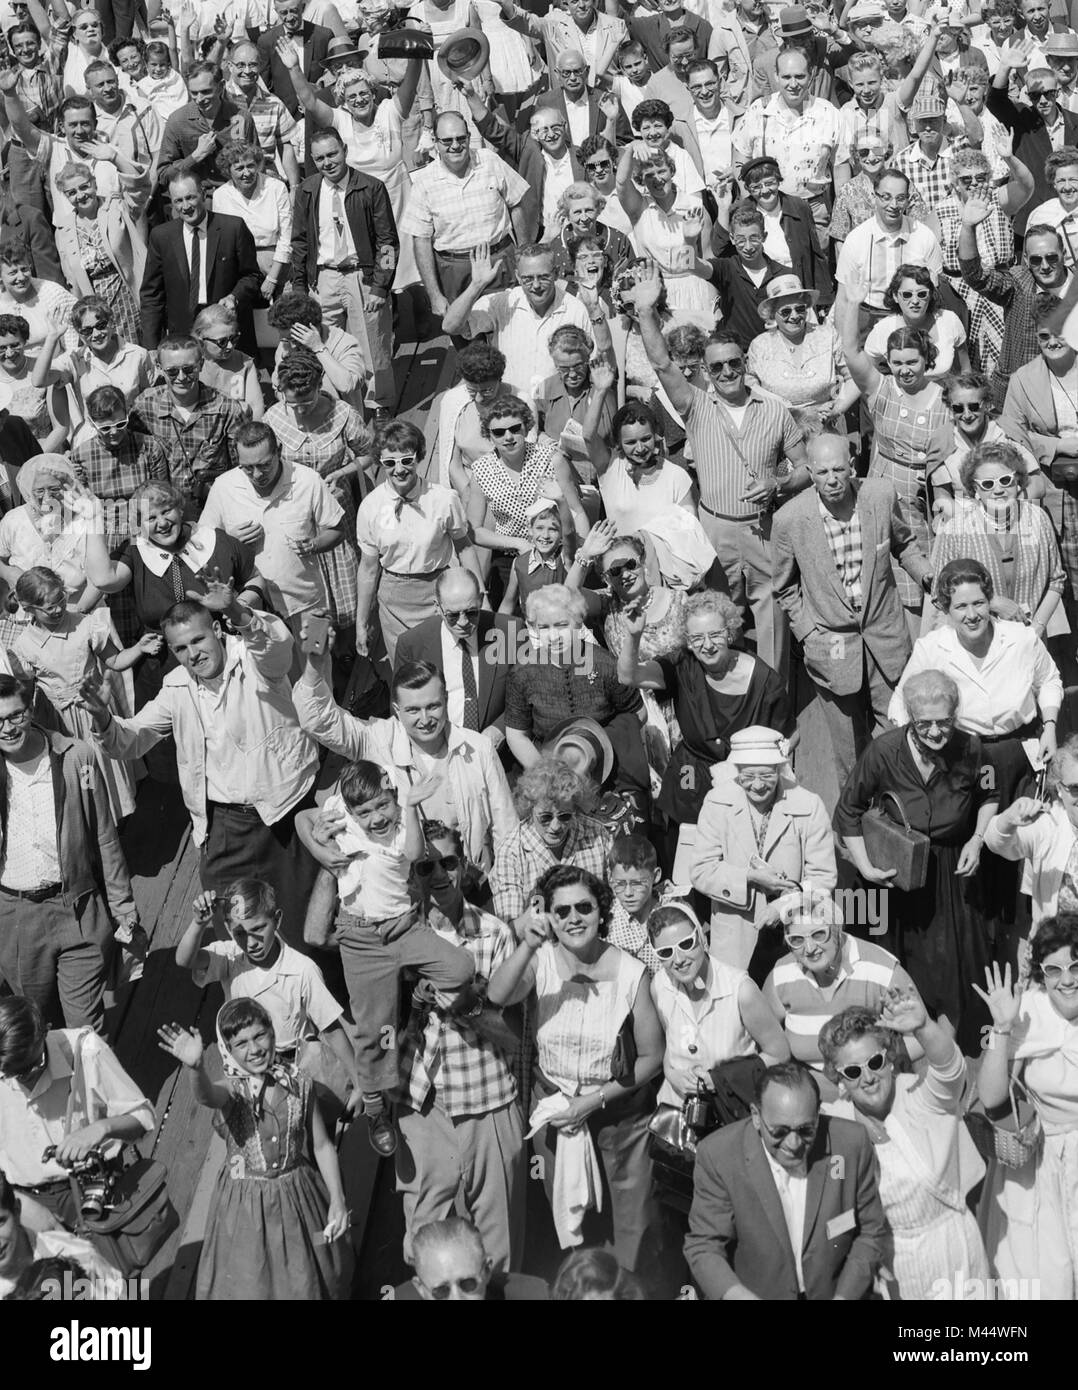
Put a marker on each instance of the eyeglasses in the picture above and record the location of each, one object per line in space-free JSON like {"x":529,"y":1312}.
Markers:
{"x":584,"y":908}
{"x":913,"y":294}
{"x":535,"y":279}
{"x":599,"y":166}
{"x":449,"y":862}
{"x":88,"y":328}
{"x":683,"y":947}
{"x":621,"y":568}
{"x":990,"y":484}
{"x":818,"y":936}
{"x":405,"y":461}
{"x":221,"y":342}
{"x":173,"y":373}
{"x":469,"y":1284}
{"x":501,"y":431}
{"x":548,"y":130}
{"x":972,"y":180}
{"x":875,"y":1063}
{"x":757,"y":779}
{"x":453,"y":142}
{"x":925,"y":726}
{"x":1047,"y":94}
{"x":1052,"y":258}
{"x":867,"y":154}
{"x":783,"y":1132}
{"x":14,"y":719}
{"x":790,"y":311}
{"x":707,"y":639}
{"x":893,"y":200}
{"x":549,"y":817}
{"x":729,"y":366}
{"x":456,"y":615}
{"x":967,"y":407}
{"x":1071,"y":788}
{"x":1054,"y":973}
{"x":705,"y":90}
{"x":111,"y":426}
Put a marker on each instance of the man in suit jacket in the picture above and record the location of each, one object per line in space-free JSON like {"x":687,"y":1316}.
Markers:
{"x":226,"y":263}
{"x":587,"y":110}
{"x":786,"y":1204}
{"x":1032,"y":127}
{"x":309,"y":40}
{"x":490,"y":639}
{"x":560,"y":29}
{"x":831,"y":548}
{"x":533,"y":156}
{"x":195,"y":134}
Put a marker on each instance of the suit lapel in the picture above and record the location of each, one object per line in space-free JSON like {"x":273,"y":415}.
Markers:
{"x":823,"y":547}
{"x":213,"y":236}
{"x":868,"y":542}
{"x":181,"y":253}
{"x":763,"y":1182}
{"x":818,"y":1169}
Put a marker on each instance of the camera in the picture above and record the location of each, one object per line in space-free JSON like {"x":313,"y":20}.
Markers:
{"x":93,"y":1179}
{"x":697,"y":1112}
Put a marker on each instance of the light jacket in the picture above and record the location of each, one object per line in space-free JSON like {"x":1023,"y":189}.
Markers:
{"x":1046,"y":846}
{"x":121,"y":239}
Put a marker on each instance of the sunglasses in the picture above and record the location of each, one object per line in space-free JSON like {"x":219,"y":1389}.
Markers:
{"x":469,"y":1284}
{"x":817,"y":937}
{"x":964,"y":407}
{"x":1054,"y":973}
{"x":453,"y":142}
{"x":875,"y":1063}
{"x":913,"y":294}
{"x":549,"y":817}
{"x":622,"y":568}
{"x":584,"y":908}
{"x":110,"y":426}
{"x":990,"y":484}
{"x":405,"y":461}
{"x":867,"y":154}
{"x":449,"y":862}
{"x":779,"y":1135}
{"x":790,"y":311}
{"x":600,"y":166}
{"x":88,"y":328}
{"x":1053,"y":258}
{"x":684,"y":946}
{"x":925,"y":726}
{"x":456,"y":615}
{"x":221,"y":342}
{"x":174,"y":372}
{"x":500,"y":431}
{"x":730,"y":366}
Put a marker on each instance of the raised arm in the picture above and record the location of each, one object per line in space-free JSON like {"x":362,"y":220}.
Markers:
{"x":22,"y":126}
{"x":645,"y":295}
{"x":860,"y":364}
{"x":484,"y":273}
{"x":308,"y":96}
{"x":627,"y":192}
{"x":641,"y":675}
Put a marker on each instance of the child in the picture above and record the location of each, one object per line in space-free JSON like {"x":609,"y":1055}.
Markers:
{"x":60,"y":648}
{"x":380,"y":930}
{"x":162,"y":87}
{"x":548,"y":560}
{"x":272,"y":1233}
{"x":255,"y":963}
{"x":632,"y":870}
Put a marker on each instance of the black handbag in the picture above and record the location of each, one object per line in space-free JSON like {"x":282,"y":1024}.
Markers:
{"x":623,"y":1062}
{"x":890,"y":845}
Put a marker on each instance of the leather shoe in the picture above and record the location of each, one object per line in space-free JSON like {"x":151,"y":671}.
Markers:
{"x":383,"y":1136}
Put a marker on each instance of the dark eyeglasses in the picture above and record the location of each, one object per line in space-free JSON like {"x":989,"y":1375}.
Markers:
{"x":622,"y":568}
{"x":174,"y":372}
{"x":449,"y":862}
{"x":971,"y":180}
{"x":990,"y":484}
{"x":87,"y":328}
{"x":549,"y":817}
{"x":501,"y":431}
{"x":867,"y":154}
{"x":1052,"y":258}
{"x":731,"y":366}
{"x":20,"y":717}
{"x":684,"y":946}
{"x":221,"y":342}
{"x":584,"y":908}
{"x":599,"y":166}
{"x":964,"y":407}
{"x":469,"y":1284}
{"x":875,"y":1063}
{"x":455,"y":615}
{"x":453,"y":142}
{"x":790,"y":311}
{"x":783,"y":1132}
{"x":925,"y":726}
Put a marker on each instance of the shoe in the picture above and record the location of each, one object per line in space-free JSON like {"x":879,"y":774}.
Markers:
{"x":381,"y":415}
{"x":383,"y":1136}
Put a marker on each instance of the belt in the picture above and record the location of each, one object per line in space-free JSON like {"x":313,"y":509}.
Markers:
{"x":238,"y":806}
{"x":1030,"y":730}
{"x":346,"y":267}
{"x":430,"y":577}
{"x":748,"y":516}
{"x":466,"y":255}
{"x":34,"y":895}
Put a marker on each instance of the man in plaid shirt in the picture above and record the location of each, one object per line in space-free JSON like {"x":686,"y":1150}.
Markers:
{"x":461,"y":1129}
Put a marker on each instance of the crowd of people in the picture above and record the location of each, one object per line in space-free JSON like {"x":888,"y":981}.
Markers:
{"x":664,"y":787}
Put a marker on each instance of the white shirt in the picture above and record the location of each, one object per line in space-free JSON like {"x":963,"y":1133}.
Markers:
{"x":872,"y":251}
{"x":374,"y":885}
{"x":268,"y":214}
{"x":713,"y":135}
{"x":189,"y":234}
{"x":579,"y":114}
{"x":31,"y":857}
{"x":226,"y":767}
{"x":558,"y":177}
{"x":775,"y":244}
{"x":793,"y":1192}
{"x":327,"y":253}
{"x":452,"y":664}
{"x":1056,"y":133}
{"x":1053,"y":214}
{"x":632,"y":505}
{"x":291,"y":989}
{"x":522,"y":334}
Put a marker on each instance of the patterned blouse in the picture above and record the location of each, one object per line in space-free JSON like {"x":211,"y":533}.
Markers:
{"x":324,"y":447}
{"x":509,"y":494}
{"x":799,"y":374}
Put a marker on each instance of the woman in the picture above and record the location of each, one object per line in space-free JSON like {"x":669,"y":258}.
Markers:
{"x":825,"y":971}
{"x":936,"y":770}
{"x":42,"y":303}
{"x":370,"y":127}
{"x":224,"y":368}
{"x":995,"y":524}
{"x":759,"y":837}
{"x":594,"y":1276}
{"x":798,"y":363}
{"x":35,"y":386}
{"x":102,"y":358}
{"x":634,"y":365}
{"x":87,"y":47}
{"x":914,"y":302}
{"x":599,"y":159}
{"x":47,"y":529}
{"x":297,"y":317}
{"x":928,"y":1163}
{"x":330,"y":437}
{"x":578,"y":217}
{"x":75,"y":1107}
{"x":555,"y":806}
{"x":101,"y":249}
{"x":669,"y":227}
{"x":1031,"y":1224}
{"x":911,"y":425}
{"x":263,"y":203}
{"x":591,"y":1091}
{"x":968,"y":396}
{"x":409,"y":533}
{"x":715,"y":690}
{"x":570,"y":675}
{"x":1061,"y":175}
{"x":460,"y":411}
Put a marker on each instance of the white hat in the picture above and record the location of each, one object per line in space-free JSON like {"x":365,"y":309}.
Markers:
{"x":758,"y":746}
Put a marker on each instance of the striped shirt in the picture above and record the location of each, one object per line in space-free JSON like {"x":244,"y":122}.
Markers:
{"x":731,"y":458}
{"x":803,"y":1006}
{"x":844,"y":538}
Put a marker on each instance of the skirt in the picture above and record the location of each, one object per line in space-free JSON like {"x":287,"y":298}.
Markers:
{"x":909,"y":485}
{"x":340,"y":566}
{"x":404,"y":601}
{"x":1029,"y":1219}
{"x":264,"y":1241}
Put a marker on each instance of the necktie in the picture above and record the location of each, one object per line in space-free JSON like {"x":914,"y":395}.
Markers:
{"x":193,"y":299}
{"x":471,"y":690}
{"x":340,"y":246}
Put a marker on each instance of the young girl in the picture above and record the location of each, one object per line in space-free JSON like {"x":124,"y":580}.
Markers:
{"x":548,"y":560}
{"x":60,"y":648}
{"x":274,"y":1233}
{"x":162,"y":87}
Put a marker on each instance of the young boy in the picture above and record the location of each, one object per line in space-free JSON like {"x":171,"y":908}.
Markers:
{"x":380,"y":929}
{"x":255,"y":964}
{"x":632,"y":870}
{"x":546,"y":563}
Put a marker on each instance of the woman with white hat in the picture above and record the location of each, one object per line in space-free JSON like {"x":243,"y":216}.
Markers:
{"x":797,"y":360}
{"x":759,"y":837}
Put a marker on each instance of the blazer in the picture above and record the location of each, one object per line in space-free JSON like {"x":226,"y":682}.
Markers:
{"x":1029,"y":418}
{"x":499,"y":638}
{"x":650,"y":30}
{"x":22,"y":221}
{"x":1032,"y":145}
{"x":525,"y":155}
{"x":558,"y":31}
{"x":809,"y":259}
{"x":370,"y":220}
{"x":122,"y":240}
{"x":623,"y":131}
{"x":807,"y":585}
{"x":276,"y":76}
{"x":737,"y":1231}
{"x":231,"y":268}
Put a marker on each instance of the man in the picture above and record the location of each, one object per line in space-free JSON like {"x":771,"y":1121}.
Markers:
{"x":791,"y":234}
{"x":832,"y":548}
{"x":1018,"y":289}
{"x":246,"y":767}
{"x":786,"y":1204}
{"x":926,"y":162}
{"x":280,"y":137}
{"x":741,"y":272}
{"x":197,"y":258}
{"x":651,"y":30}
{"x":711,"y":121}
{"x":1061,"y":54}
{"x":563,"y":401}
{"x":471,"y":647}
{"x":136,"y":133}
{"x":195,"y":134}
{"x":451,"y":1266}
{"x":193,"y":423}
{"x":344,"y":251}
{"x":61,"y":866}
{"x":816,"y":36}
{"x":586,"y":110}
{"x":308,"y":44}
{"x":669,"y":83}
{"x":875,"y":249}
{"x":461,"y":1130}
{"x":738,"y":440}
{"x":579,"y":26}
{"x":630,"y":84}
{"x":460,"y":201}
{"x":38,"y":84}
{"x":521,"y":320}
{"x":544,"y":158}
{"x":285,"y":512}
{"x":1037,"y":129}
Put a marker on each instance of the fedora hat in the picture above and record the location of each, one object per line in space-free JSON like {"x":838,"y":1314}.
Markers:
{"x":337,"y":49}
{"x":1061,"y":45}
{"x":784,"y":289}
{"x":794,"y":22}
{"x":464,"y":54}
{"x":588,"y":740}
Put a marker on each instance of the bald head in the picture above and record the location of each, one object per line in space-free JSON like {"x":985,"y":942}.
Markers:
{"x":830,"y":468}
{"x":572,"y":70}
{"x":459,"y":597}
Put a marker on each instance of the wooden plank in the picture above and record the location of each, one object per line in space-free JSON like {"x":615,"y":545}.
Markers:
{"x":181,"y":1278}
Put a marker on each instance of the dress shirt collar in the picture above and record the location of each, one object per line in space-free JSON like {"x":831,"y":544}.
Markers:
{"x":537,"y":561}
{"x":898,"y":238}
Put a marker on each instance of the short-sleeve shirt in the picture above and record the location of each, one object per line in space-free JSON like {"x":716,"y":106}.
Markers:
{"x":730,"y":460}
{"x":509,"y":494}
{"x":413,"y":535}
{"x":291,"y":990}
{"x":523,"y":335}
{"x":630,"y":506}
{"x":458,"y":214}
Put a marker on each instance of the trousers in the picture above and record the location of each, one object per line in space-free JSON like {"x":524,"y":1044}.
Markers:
{"x":744,"y":551}
{"x":55,"y":947}
{"x":343,"y":298}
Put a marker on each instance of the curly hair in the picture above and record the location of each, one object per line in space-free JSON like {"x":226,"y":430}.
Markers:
{"x":920,"y":276}
{"x":1063,"y":158}
{"x":89,"y":303}
{"x":652,"y":110}
{"x":1002,"y":453}
{"x":1052,"y":934}
{"x":14,"y":324}
{"x":295,"y":307}
{"x":966,"y":381}
{"x":479,"y":362}
{"x":929,"y":688}
{"x":551,"y":782}
{"x":507,"y":407}
{"x":970,"y":161}
{"x":851,"y":1025}
{"x":570,"y":338}
{"x":595,"y":1275}
{"x":300,"y":371}
{"x":716,"y":605}
{"x":557,"y":601}
{"x":956,"y":573}
{"x":236,"y":150}
{"x":686,"y":340}
{"x":634,"y":413}
{"x":569,"y":876}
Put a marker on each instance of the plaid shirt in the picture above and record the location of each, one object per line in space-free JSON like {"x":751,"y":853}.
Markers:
{"x":198,"y":450}
{"x":932,"y":181}
{"x":524,"y":857}
{"x":41,"y":91}
{"x":466,"y":1074}
{"x":844,"y":538}
{"x":274,"y":125}
{"x":115,"y":475}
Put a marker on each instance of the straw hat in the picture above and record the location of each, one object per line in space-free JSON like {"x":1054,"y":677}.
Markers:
{"x":785,"y":289}
{"x":758,"y":746}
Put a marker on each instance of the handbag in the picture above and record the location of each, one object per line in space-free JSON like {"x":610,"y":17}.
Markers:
{"x":623,"y":1061}
{"x":1012,"y":1147}
{"x":893,"y":846}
